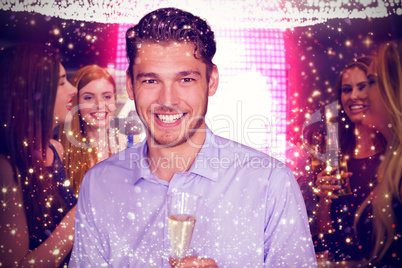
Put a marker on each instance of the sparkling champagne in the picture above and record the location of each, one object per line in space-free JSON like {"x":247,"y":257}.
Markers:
{"x":180,"y":232}
{"x":341,"y":167}
{"x":336,"y":160}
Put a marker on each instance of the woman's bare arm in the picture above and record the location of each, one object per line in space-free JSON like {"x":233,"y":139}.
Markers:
{"x":14,"y":237}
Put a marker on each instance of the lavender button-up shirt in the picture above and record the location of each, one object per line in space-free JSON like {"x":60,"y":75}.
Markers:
{"x":251,"y":212}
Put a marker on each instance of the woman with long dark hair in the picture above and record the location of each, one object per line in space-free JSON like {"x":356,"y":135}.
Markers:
{"x":38,"y":206}
{"x":361,"y":147}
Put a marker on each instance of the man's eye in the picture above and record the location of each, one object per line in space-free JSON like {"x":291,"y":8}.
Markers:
{"x":187,"y":80}
{"x":87,"y":98}
{"x":149,"y":81}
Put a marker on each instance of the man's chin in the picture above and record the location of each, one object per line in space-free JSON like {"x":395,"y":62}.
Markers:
{"x":167,"y":143}
{"x":163,"y":139}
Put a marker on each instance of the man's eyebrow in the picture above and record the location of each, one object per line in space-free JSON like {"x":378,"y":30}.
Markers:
{"x":179,"y":74}
{"x":150,"y":75}
{"x":190,"y":72}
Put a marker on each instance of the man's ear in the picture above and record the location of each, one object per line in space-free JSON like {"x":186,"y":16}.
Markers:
{"x":213,"y":81}
{"x":129,"y":85}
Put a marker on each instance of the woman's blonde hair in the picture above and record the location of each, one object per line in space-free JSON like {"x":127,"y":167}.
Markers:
{"x":78,"y":148}
{"x":388,"y":67}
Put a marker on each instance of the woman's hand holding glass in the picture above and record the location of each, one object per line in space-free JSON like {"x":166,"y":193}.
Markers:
{"x":191,"y":261}
{"x":326,"y":188}
{"x":327,"y":185}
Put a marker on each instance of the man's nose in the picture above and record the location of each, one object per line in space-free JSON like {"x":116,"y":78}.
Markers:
{"x":168,"y":95}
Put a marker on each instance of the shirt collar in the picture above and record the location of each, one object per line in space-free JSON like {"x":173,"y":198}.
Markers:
{"x":203,"y":164}
{"x":141,"y":167}
{"x":206,"y":163}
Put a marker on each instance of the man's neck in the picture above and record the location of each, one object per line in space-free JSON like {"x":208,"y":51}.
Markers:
{"x":166,"y":161}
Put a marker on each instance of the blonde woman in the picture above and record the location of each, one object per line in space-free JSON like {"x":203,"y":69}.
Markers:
{"x":385,"y":79}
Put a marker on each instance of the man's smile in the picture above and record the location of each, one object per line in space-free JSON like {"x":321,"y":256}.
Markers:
{"x":169,"y":118}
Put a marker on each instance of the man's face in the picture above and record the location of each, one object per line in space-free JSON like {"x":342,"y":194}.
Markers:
{"x":171,"y":92}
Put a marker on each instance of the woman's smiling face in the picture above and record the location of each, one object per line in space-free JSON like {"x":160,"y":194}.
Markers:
{"x":64,"y":98}
{"x":354,"y":91}
{"x":97,"y":103}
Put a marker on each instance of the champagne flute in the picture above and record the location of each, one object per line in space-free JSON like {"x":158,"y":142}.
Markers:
{"x":336,"y":160}
{"x":181,"y":208}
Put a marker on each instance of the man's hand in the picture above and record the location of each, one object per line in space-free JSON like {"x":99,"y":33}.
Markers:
{"x":193,"y":262}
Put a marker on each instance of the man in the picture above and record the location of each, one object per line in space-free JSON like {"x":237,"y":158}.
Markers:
{"x":251,"y":212}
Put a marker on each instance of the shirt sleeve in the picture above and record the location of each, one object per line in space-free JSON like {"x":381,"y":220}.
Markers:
{"x":287,"y":240}
{"x":89,"y":245}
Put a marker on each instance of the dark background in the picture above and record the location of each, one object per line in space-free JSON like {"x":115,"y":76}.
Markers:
{"x":18,"y":27}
